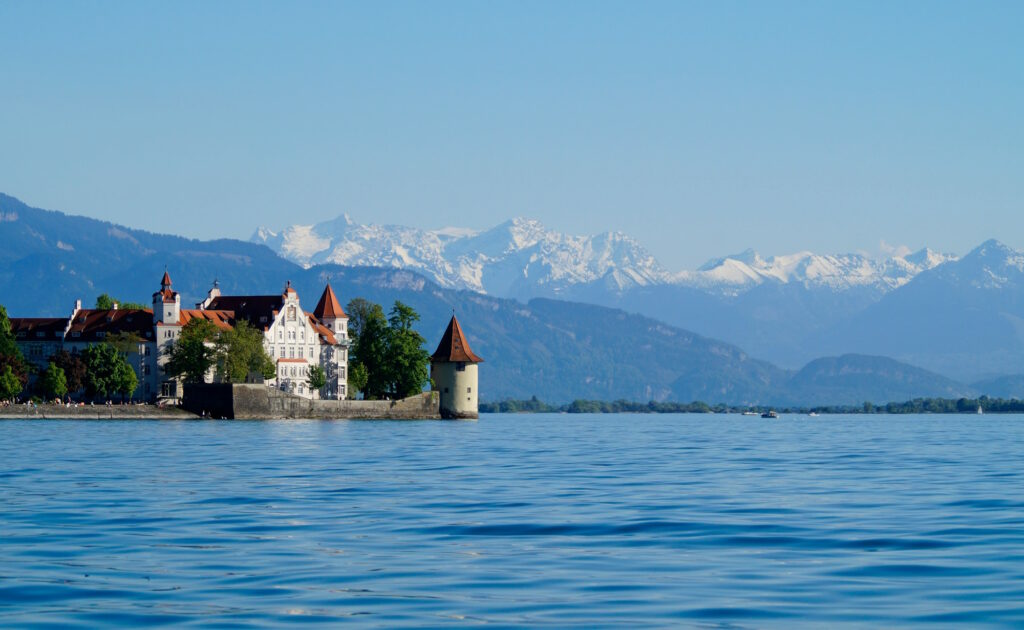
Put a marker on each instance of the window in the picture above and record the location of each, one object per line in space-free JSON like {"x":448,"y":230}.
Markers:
{"x":311,"y":352}
{"x":460,"y":366}
{"x":281,"y":351}
{"x":446,"y":390}
{"x":300,"y":352}
{"x":271,"y":351}
{"x":280,"y":335}
{"x":291,"y":352}
{"x":291,"y":313}
{"x":40,"y":334}
{"x":263,"y":319}
{"x":302,"y":335}
{"x":469,"y":390}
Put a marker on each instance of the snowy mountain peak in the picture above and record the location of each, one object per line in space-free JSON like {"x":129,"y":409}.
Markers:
{"x":522,"y":258}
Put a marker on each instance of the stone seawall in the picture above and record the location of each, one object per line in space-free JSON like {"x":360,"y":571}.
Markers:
{"x":250,"y":402}
{"x":94,"y":412}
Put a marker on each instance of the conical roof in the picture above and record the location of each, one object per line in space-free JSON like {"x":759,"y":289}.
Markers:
{"x":453,"y":346}
{"x":328,"y":306}
{"x":166,"y":281}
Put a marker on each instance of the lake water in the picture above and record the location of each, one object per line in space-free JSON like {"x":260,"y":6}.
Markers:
{"x":637,"y":520}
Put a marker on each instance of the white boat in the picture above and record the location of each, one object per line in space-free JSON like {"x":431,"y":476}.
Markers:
{"x":750,"y":413}
{"x":769,"y":414}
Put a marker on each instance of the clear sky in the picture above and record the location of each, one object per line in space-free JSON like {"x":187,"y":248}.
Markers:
{"x":699,"y":128}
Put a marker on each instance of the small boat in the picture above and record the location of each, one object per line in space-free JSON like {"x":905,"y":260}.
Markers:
{"x":750,"y":413}
{"x":980,"y":410}
{"x":813,"y":414}
{"x":769,"y":414}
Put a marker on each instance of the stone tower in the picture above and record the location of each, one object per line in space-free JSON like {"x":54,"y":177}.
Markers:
{"x":453,"y":368}
{"x":166,"y":303}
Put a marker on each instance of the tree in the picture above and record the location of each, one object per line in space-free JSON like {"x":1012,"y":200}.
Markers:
{"x":73,"y":368}
{"x":356,"y":378}
{"x":360,"y":311}
{"x":407,"y":361}
{"x":190,"y":355}
{"x":370,"y":349}
{"x":317,"y":378}
{"x":240,"y":351}
{"x":105,"y":302}
{"x":10,"y":354}
{"x":102,"y":363}
{"x":125,"y":342}
{"x":124,"y":380}
{"x":10,"y":385}
{"x":53,"y":382}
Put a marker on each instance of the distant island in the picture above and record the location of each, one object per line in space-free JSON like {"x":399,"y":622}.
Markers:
{"x":984,"y":404}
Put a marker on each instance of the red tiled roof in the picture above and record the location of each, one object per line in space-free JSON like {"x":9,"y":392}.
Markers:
{"x":224,"y":320}
{"x":454,"y":347}
{"x":166,"y":281}
{"x":30,"y":327}
{"x":322,"y":330}
{"x":95,"y":324}
{"x":328,"y":306}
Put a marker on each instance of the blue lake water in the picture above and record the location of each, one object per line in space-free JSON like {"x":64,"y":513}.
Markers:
{"x":636,"y":520}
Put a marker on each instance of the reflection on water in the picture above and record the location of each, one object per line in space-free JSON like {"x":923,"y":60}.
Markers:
{"x":514,"y":520}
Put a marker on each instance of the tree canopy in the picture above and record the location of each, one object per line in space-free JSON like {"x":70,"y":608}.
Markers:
{"x":240,"y":351}
{"x":191,"y":356}
{"x":106,"y":302}
{"x":14,"y":369}
{"x":106,"y":372}
{"x":388,"y":358}
{"x":52,"y":382}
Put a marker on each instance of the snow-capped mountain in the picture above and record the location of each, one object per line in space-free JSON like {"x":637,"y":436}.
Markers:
{"x":517,"y":258}
{"x":735,"y":274}
{"x":522,"y":258}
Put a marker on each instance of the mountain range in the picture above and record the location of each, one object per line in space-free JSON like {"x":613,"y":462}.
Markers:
{"x":786,"y":309}
{"x":555,"y":348}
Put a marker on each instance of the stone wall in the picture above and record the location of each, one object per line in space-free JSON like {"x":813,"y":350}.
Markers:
{"x":95,"y":412}
{"x":241,"y":401}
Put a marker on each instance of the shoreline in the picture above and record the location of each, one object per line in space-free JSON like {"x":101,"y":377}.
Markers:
{"x":94,"y":412}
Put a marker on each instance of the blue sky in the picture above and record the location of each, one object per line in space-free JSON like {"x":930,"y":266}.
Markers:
{"x":699,"y":128}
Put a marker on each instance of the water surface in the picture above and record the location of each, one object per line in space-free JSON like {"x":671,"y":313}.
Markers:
{"x":638,"y":520}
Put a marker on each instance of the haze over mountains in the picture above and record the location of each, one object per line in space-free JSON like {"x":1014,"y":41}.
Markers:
{"x":934,"y":309}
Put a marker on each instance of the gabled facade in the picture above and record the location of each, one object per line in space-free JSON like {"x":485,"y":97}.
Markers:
{"x":295,"y":339}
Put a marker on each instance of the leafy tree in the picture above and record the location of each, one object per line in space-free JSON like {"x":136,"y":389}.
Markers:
{"x":105,"y":302}
{"x":360,"y":311}
{"x":53,"y":382}
{"x":102,"y":363}
{"x":10,"y":385}
{"x":357,"y":377}
{"x":317,"y":378}
{"x":371,"y":347}
{"x":407,"y":361}
{"x":190,"y":356}
{"x":10,"y":354}
{"x":124,"y":380}
{"x":73,"y":368}
{"x":125,"y":342}
{"x":388,"y":358}
{"x":240,"y":351}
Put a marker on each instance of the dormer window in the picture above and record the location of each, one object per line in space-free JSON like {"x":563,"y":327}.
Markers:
{"x":76,"y":334}
{"x":101,"y":335}
{"x":40,"y":334}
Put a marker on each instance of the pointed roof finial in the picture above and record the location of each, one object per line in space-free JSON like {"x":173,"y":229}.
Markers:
{"x":216,"y":284}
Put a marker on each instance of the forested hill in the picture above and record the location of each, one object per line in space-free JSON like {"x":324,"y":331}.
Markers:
{"x":556,"y":350}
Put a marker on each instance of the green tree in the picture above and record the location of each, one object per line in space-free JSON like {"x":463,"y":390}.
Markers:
{"x":371,"y":349}
{"x":356,"y":378}
{"x":240,"y":351}
{"x":407,"y":360}
{"x":52,"y":381}
{"x":191,"y":356}
{"x":10,"y":354}
{"x":102,"y":363}
{"x":105,"y":302}
{"x":360,"y":311}
{"x":124,"y":380}
{"x":74,"y":369}
{"x":317,"y":378}
{"x":10,"y":385}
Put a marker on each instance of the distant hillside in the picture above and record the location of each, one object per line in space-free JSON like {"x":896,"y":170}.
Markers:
{"x":556,"y":350}
{"x":852,"y":379}
{"x":1010,"y":386}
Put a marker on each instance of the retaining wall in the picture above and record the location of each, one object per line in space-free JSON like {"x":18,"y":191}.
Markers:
{"x":241,"y":401}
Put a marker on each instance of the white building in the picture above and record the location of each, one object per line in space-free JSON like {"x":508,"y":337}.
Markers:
{"x":295,"y":339}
